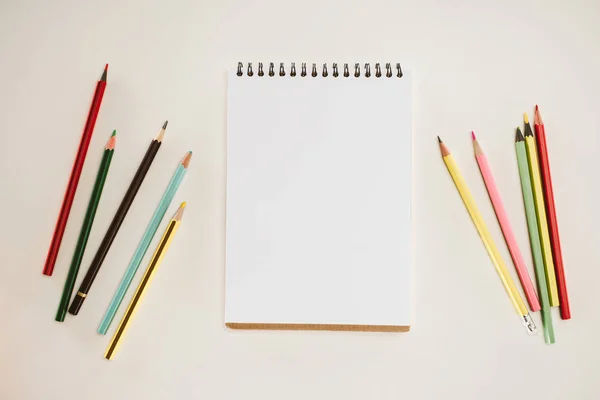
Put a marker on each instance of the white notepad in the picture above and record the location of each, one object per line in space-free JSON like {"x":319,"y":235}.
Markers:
{"x":318,"y":199}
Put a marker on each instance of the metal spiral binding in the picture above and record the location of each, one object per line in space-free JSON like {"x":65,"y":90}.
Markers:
{"x":335,"y":72}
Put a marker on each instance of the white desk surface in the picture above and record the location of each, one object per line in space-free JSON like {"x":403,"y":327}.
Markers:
{"x":477,"y":65}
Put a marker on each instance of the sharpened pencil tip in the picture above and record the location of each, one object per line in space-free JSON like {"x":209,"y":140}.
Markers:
{"x":527,"y":131}
{"x":537,"y":117}
{"x":443,"y":148}
{"x":112,"y":141}
{"x":104,"y":73}
{"x":519,"y":135}
{"x":525,"y":118}
{"x":476,"y":148}
{"x":179,"y":213}
{"x":161,"y":133}
{"x":186,"y":159}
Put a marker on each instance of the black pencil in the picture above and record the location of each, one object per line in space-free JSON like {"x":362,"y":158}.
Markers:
{"x":113,"y":229}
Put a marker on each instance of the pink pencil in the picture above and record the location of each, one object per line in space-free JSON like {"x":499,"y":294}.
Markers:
{"x":509,"y":236}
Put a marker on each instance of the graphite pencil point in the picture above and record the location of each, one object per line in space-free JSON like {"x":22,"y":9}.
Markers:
{"x":519,"y":135}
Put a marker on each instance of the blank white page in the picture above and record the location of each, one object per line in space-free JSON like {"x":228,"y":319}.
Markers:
{"x":318,"y":200}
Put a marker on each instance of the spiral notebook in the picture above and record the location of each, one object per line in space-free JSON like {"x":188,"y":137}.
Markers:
{"x":318,"y":197}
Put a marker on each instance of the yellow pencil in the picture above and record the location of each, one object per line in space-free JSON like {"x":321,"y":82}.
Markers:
{"x":540,"y":212}
{"x":488,"y":242}
{"x":161,"y":249}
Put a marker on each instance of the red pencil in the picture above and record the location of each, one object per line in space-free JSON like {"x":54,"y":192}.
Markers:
{"x":565,"y":311}
{"x":65,"y":209}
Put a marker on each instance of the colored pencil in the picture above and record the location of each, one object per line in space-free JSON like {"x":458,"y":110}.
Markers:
{"x":559,"y":269}
{"x":155,"y":262}
{"x":540,"y":212}
{"x":86,"y":227}
{"x":488,"y":242}
{"x":84,"y":143}
{"x":118,"y":219}
{"x":135,"y":262}
{"x":534,"y":236}
{"x":509,"y":236}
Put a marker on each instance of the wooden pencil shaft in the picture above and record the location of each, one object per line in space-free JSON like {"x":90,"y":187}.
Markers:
{"x":114,"y":226}
{"x":95,"y":100}
{"x":534,"y":239}
{"x":505,"y":226}
{"x":84,"y":234}
{"x":532,"y":226}
{"x":122,"y":210}
{"x":119,"y":217}
{"x":141,"y":289}
{"x":547,"y":323}
{"x":540,"y":212}
{"x":565,"y":309}
{"x":143,"y":246}
{"x":69,"y":196}
{"x":488,"y":242}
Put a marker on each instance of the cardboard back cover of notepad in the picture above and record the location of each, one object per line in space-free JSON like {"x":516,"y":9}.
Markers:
{"x":318,"y":200}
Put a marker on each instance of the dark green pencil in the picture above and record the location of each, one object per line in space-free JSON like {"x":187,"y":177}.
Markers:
{"x":86,"y":228}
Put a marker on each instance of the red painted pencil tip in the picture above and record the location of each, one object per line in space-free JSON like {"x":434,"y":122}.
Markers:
{"x":473,"y":135}
{"x":536,"y":107}
{"x":106,"y":67}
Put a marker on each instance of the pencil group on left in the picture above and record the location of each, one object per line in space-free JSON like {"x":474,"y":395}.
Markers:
{"x":114,"y":227}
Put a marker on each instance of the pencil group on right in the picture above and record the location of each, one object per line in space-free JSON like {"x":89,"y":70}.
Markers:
{"x":540,"y":211}
{"x":526,"y":174}
{"x":542,"y":224}
{"x":539,"y":172}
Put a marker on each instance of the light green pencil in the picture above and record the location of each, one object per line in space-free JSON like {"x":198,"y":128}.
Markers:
{"x":135,"y":262}
{"x":534,"y":237}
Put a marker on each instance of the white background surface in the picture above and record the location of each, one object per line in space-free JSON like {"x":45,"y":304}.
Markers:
{"x":478,"y":65}
{"x":318,"y":200}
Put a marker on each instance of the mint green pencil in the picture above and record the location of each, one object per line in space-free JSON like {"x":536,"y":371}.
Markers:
{"x":534,"y":237}
{"x":135,"y":262}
